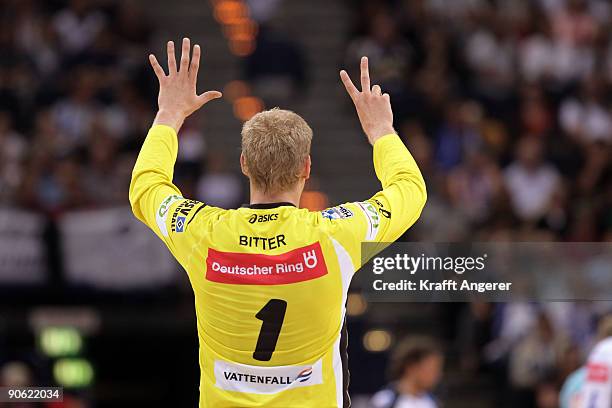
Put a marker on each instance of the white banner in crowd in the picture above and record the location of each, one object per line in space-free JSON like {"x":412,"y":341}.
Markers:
{"x":22,"y":250}
{"x":110,"y":249}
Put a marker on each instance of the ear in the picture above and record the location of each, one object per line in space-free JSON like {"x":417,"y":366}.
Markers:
{"x":306,"y":169}
{"x":243,"y":165}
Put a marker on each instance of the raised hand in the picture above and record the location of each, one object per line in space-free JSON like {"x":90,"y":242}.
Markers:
{"x":178,"y":96}
{"x":373,"y":107}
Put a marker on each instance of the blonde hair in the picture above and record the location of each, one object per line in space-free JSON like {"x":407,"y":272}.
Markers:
{"x":275,"y":146}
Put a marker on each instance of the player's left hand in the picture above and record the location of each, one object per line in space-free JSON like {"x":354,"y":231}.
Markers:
{"x":178,"y":96}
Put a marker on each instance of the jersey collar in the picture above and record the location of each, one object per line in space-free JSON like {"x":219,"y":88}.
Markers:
{"x":266,"y":206}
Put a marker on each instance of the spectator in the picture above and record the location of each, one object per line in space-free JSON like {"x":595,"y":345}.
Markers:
{"x":389,"y":56}
{"x":416,"y":368}
{"x":75,"y":114}
{"x":534,"y":359}
{"x":586,"y":118}
{"x":78,"y":25}
{"x":34,"y":34}
{"x":457,"y":134}
{"x":100,"y":180}
{"x":574,"y":24}
{"x":490,"y":53}
{"x":277,"y":68}
{"x":531,"y":182}
{"x":12,"y":153}
{"x":476,"y":186}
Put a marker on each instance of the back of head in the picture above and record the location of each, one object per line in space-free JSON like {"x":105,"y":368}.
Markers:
{"x":410,"y":352}
{"x":604,"y":327}
{"x":275,"y":146}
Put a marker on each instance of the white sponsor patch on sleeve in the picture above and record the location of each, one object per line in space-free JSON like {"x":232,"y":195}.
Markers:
{"x":162,"y":212}
{"x":337,"y":212}
{"x":372,"y":218}
{"x":266,"y":380}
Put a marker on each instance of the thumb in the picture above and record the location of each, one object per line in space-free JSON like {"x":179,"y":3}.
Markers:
{"x":208,"y":96}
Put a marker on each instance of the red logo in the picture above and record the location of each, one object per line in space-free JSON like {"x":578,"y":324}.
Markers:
{"x":597,"y":372}
{"x":237,"y":268}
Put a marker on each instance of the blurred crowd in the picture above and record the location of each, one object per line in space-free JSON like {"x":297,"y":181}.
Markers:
{"x":73,"y":102}
{"x":505,"y":104}
{"x":507,"y":107}
{"x":76,"y":98}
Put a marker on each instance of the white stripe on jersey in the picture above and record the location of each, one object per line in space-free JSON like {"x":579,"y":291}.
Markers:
{"x":347,"y":270}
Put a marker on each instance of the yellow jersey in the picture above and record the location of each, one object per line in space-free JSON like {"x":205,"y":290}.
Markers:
{"x":270,"y":280}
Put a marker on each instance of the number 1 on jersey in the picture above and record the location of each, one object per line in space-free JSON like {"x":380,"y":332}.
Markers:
{"x":272,"y":316}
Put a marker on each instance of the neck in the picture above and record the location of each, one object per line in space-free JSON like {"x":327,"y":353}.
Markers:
{"x":408,"y":386}
{"x":259,"y":197}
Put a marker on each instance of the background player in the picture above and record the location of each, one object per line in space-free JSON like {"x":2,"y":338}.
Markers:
{"x":591,"y":385}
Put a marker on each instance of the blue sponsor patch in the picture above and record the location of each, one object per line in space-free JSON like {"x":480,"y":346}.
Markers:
{"x":180,"y":224}
{"x":338,"y":212}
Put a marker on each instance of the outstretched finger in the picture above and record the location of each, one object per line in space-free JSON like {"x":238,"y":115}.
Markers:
{"x":171,"y":58}
{"x":387,"y":98}
{"x":185,"y":56}
{"x":365,"y":75}
{"x":195,"y":63}
{"x":159,"y":71}
{"x":348,"y":84}
{"x":208,"y":96}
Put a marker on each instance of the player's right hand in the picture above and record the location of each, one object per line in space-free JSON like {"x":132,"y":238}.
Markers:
{"x":178,"y":96}
{"x":373,"y":107}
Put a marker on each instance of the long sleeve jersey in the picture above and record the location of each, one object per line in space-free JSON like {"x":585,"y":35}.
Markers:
{"x":271,"y":280}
